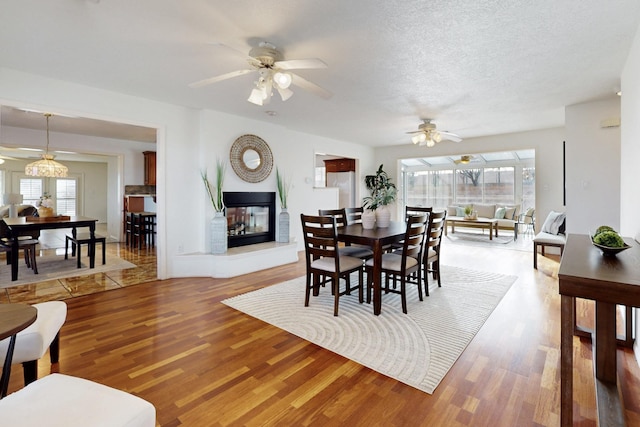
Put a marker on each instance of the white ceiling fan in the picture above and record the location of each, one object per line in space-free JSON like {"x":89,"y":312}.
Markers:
{"x":273,"y":72}
{"x":428,"y":135}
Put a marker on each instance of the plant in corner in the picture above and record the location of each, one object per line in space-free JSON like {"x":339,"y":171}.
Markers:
{"x":219,"y":222}
{"x":383,"y":193}
{"x":284,"y":186}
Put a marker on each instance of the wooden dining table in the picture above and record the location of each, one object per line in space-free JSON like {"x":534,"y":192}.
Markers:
{"x":609,"y":281}
{"x":377,"y":238}
{"x":22,"y":226}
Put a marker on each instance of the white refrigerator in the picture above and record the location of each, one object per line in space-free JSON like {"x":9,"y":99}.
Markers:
{"x":346,"y":184}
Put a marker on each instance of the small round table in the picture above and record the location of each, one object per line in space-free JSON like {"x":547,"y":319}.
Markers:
{"x":13,"y":319}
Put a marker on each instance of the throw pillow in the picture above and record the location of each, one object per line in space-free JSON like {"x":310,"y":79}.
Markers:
{"x":509,"y":212}
{"x":500,"y":213}
{"x":452,"y":211}
{"x":553,"y":222}
{"x":459,"y":211}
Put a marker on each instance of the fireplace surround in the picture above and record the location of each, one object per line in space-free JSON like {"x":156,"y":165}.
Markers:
{"x":251,"y":217}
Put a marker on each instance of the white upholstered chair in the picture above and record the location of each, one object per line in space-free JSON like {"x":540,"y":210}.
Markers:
{"x":58,"y":400}
{"x":33,"y":342}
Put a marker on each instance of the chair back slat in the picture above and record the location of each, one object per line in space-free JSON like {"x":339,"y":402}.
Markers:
{"x":416,"y":210}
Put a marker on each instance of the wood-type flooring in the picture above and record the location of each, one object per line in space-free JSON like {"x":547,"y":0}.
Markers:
{"x":202,"y":363}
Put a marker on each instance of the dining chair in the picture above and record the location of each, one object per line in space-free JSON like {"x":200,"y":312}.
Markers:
{"x":32,"y":343}
{"x":25,"y":243}
{"x":354,"y":215}
{"x":324,"y":260}
{"x":403,"y":264}
{"x":358,"y":251}
{"x":409,"y":211}
{"x":433,"y":240}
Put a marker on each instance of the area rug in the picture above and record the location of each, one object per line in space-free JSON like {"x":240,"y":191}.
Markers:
{"x":51,"y":267}
{"x":417,"y":348}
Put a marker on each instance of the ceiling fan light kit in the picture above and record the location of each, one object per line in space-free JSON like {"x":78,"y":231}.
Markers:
{"x":274,"y":72}
{"x":429,"y":136}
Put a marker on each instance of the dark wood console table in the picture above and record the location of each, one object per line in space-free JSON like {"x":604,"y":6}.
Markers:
{"x":609,"y":281}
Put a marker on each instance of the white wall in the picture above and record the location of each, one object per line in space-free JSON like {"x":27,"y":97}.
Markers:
{"x":188,"y":141}
{"x":547,"y":144}
{"x":630,"y":153}
{"x":593,"y":161}
{"x":293,"y":154}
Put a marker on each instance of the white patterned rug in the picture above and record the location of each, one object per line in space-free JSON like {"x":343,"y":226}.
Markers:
{"x":417,"y":349}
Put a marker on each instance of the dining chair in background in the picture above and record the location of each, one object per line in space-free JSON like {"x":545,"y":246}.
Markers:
{"x":433,"y":240}
{"x":404,"y":263}
{"x":410,"y":211}
{"x":25,"y":243}
{"x":358,"y":251}
{"x":323,"y":260}
{"x":354,"y":215}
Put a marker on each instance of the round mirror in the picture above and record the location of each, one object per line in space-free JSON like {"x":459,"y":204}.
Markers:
{"x":251,"y":158}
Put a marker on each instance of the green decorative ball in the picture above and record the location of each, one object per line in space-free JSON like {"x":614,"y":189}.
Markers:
{"x":603,"y":228}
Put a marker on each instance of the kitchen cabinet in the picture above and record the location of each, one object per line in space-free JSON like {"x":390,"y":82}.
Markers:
{"x":340,"y":165}
{"x":149,"y":167}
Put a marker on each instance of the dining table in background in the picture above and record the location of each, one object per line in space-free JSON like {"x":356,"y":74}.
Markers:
{"x":21,"y":226}
{"x":13,"y":319}
{"x":377,"y":238}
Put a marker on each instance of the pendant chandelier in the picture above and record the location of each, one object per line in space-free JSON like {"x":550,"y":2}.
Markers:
{"x":46,"y":167}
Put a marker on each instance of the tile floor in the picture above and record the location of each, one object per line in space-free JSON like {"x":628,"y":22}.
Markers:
{"x":60,"y":289}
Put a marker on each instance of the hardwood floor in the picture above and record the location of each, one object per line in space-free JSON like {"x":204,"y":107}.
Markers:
{"x":202,"y":363}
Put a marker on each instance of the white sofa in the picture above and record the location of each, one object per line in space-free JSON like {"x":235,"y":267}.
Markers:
{"x":507,"y":216}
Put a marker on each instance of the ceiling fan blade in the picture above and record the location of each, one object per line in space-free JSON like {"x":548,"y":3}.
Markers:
{"x":450,"y":136}
{"x":221,"y":77}
{"x":251,"y":59}
{"x":300,"y":64}
{"x":311,"y":87}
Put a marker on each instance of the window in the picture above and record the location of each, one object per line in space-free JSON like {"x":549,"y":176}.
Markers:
{"x":429,"y":188}
{"x":65,"y":193}
{"x":505,"y":178}
{"x":469,"y":186}
{"x":31,"y":189}
{"x":66,"y":196}
{"x":499,"y":185}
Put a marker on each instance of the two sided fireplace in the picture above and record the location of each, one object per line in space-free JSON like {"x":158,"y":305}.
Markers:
{"x":251,"y":217}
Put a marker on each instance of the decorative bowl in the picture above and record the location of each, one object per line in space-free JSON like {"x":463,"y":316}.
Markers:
{"x":608,"y":250}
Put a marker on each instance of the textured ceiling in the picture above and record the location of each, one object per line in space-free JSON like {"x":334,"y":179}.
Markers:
{"x":476,"y":67}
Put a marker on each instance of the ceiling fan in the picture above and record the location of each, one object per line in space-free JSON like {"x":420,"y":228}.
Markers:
{"x":429,"y":136}
{"x":463,"y":159}
{"x":273,"y":72}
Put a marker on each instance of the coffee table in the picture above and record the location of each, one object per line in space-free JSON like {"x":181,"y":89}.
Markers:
{"x":491,"y":222}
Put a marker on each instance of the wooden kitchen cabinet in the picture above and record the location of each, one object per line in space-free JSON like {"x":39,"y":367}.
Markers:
{"x":149,"y":167}
{"x":340,"y":165}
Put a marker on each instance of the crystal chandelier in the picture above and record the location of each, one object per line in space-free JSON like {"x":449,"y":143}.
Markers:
{"x":46,"y":167}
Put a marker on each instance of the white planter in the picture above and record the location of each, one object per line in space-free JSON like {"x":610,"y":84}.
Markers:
{"x":368,"y":219}
{"x":383,"y":217}
{"x":219,"y":233}
{"x":283,"y":227}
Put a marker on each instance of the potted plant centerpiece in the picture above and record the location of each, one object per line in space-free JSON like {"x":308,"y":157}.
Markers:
{"x":284,"y":186}
{"x":219,"y":222}
{"x":383,"y":193}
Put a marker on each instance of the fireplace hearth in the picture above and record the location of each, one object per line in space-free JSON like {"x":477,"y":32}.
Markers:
{"x":251,"y":217}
